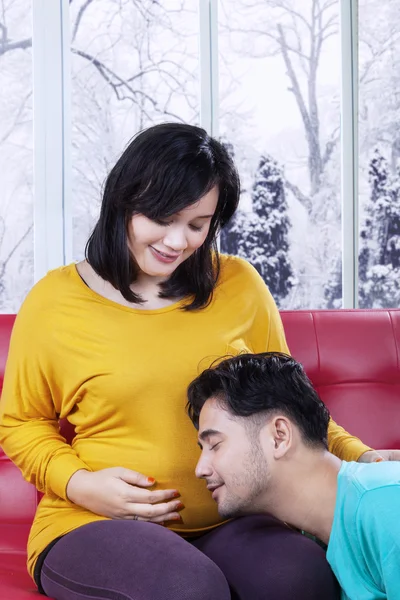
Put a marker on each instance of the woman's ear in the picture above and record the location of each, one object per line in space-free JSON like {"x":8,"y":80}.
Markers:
{"x":282,"y":434}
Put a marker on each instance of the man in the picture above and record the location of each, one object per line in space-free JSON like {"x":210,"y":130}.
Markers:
{"x":263,"y":434}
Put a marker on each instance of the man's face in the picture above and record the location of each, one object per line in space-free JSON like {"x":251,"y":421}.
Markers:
{"x":232,"y":461}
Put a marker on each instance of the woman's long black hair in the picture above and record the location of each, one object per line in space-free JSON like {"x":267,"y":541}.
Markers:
{"x":164,"y":169}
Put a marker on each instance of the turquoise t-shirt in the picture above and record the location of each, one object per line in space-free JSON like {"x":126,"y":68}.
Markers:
{"x":364,"y":546}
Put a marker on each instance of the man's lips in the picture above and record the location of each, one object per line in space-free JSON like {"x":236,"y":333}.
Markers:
{"x":213,"y":488}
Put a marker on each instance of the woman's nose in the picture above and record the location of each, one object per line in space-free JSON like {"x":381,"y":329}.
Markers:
{"x":176,"y":239}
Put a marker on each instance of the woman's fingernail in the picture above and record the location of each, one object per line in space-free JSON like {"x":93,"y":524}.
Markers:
{"x":177,"y":518}
{"x":379,"y":460}
{"x":151,"y":480}
{"x":179,"y":506}
{"x":176,"y":495}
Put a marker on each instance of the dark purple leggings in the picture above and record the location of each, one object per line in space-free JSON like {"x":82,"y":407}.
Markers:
{"x":251,"y":558}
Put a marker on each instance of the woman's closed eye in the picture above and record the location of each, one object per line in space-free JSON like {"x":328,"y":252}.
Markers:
{"x":196,"y":227}
{"x":192,"y":226}
{"x":162,"y":223}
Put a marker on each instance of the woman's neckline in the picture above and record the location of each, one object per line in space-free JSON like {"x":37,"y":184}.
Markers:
{"x":107,"y":301}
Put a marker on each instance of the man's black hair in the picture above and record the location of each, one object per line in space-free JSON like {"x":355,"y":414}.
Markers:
{"x":260,"y":385}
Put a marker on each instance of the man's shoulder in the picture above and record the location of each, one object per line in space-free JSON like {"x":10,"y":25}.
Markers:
{"x":363,"y":489}
{"x":377,"y":506}
{"x":372,"y":476}
{"x":366,"y":524}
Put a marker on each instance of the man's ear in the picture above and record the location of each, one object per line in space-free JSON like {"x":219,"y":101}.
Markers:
{"x":282,"y":434}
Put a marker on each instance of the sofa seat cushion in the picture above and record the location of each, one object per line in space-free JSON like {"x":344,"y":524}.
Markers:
{"x":15,"y":583}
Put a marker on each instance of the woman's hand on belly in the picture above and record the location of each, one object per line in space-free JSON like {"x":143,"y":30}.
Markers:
{"x":120,"y":493}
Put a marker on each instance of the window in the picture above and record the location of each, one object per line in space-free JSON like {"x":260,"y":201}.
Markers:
{"x":134,"y":64}
{"x":16,"y":156}
{"x":280,"y":117}
{"x":379,"y":154}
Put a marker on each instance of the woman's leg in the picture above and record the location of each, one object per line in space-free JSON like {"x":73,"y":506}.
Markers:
{"x":129,"y":560}
{"x":263,"y":559}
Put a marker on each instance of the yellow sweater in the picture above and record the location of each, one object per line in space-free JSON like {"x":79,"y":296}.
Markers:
{"x":120,"y":377}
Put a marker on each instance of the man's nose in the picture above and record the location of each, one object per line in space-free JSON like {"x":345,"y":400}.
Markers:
{"x":203,"y":468}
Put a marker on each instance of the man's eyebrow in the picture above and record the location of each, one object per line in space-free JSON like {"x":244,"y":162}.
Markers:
{"x":208,"y":433}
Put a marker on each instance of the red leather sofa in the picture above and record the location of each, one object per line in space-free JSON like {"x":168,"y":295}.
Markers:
{"x":352,"y":357}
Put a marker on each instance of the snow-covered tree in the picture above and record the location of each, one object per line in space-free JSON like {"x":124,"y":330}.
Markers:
{"x":231,"y":234}
{"x":380,"y":237}
{"x":261,"y":236}
{"x":268,"y":244}
{"x":334,"y":290}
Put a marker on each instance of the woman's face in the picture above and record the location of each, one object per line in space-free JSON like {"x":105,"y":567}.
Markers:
{"x":159,"y":247}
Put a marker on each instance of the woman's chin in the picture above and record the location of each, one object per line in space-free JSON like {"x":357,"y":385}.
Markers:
{"x":156,"y":271}
{"x":161,"y":274}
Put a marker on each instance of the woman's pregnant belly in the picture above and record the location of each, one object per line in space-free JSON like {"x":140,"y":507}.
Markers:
{"x":172,"y":468}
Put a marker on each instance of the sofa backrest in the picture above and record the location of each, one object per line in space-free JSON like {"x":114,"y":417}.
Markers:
{"x":352,"y":357}
{"x":18,"y":499}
